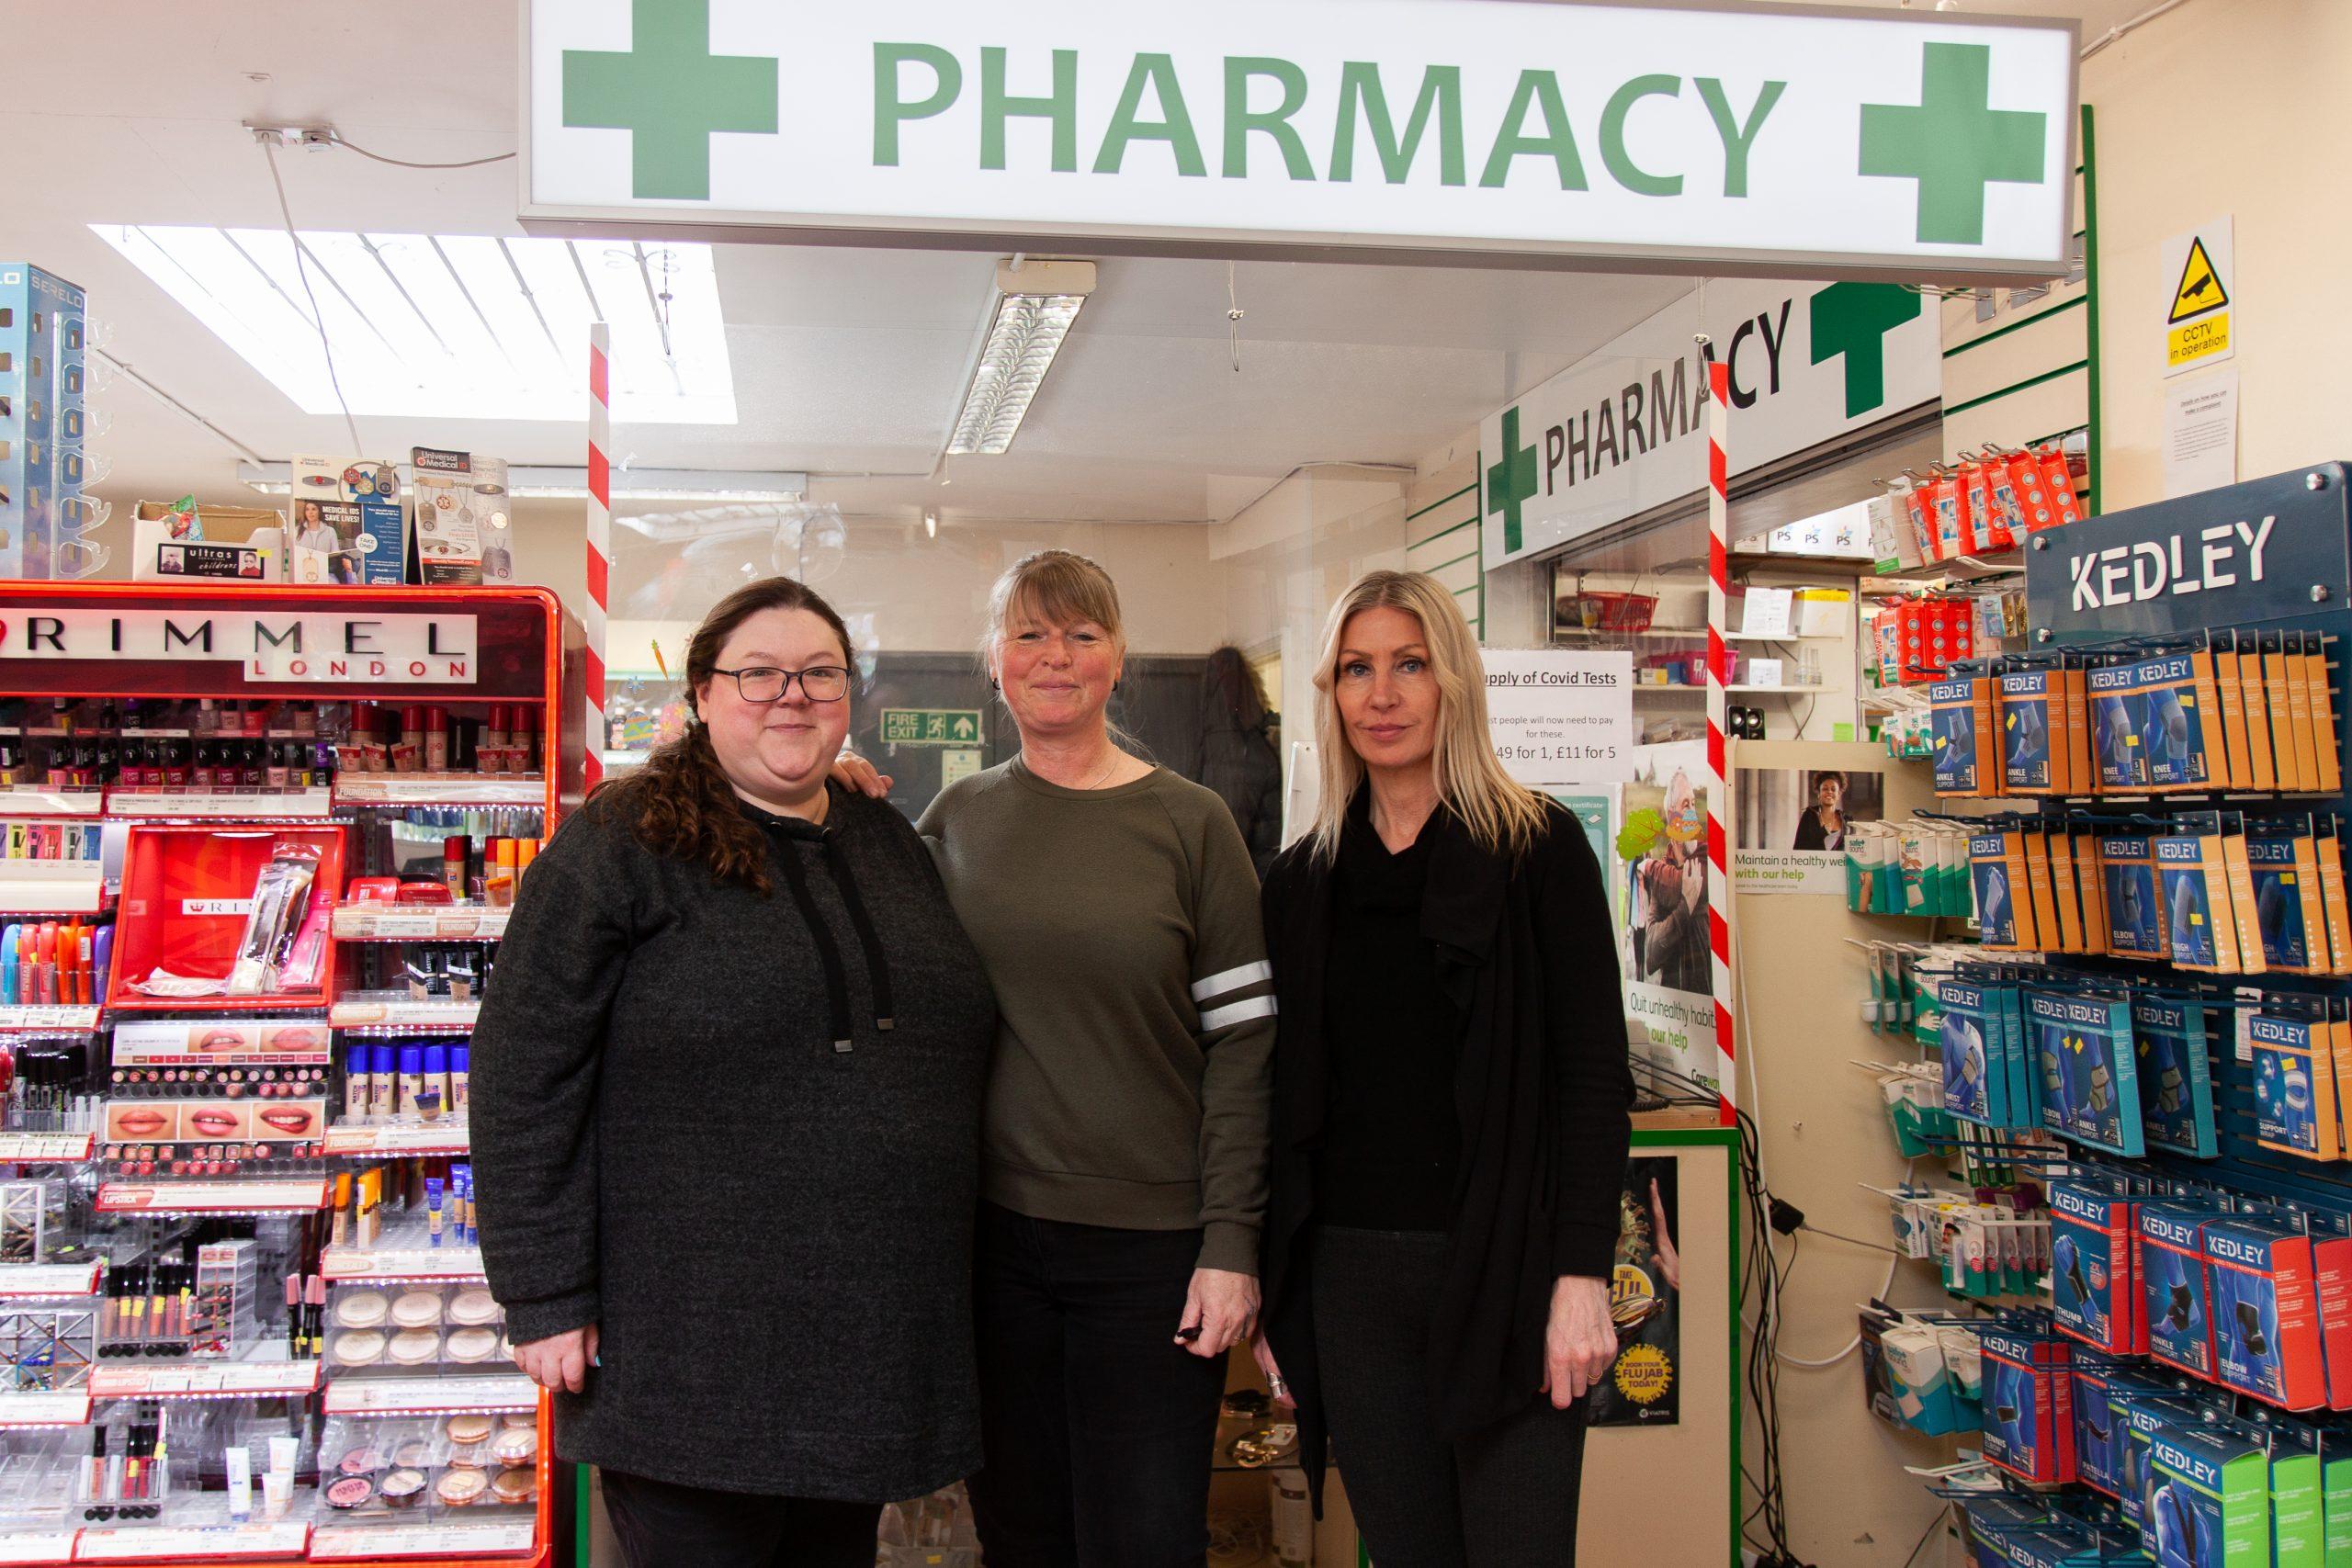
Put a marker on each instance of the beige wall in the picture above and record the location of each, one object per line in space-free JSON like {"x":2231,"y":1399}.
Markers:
{"x":2232,"y":106}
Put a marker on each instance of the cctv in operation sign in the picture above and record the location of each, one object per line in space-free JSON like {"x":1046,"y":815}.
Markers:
{"x":1771,"y":138}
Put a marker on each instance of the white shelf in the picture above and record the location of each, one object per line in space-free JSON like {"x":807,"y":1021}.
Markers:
{"x":380,"y":1010}
{"x":440,"y":789}
{"x":204,"y":1379}
{"x":258,"y":1196}
{"x":39,"y":1148}
{"x":401,"y":1262}
{"x":348,"y":1395}
{"x":420,"y":922}
{"x":29,"y":1282}
{"x":47,"y":1015}
{"x":399,"y":1142}
{"x":30,"y":800}
{"x":308,"y":804}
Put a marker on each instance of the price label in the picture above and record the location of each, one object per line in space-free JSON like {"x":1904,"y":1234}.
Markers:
{"x":356,"y":1013}
{"x":22,"y":1280}
{"x":21,"y":801}
{"x":330,"y":1542}
{"x":146,"y":1543}
{"x":26,"y":1149}
{"x":230,"y":1380}
{"x":401,"y":1263}
{"x":429,"y":1396}
{"x":290,"y":803}
{"x":68,"y":1408}
{"x":39,"y":1546}
{"x":407,"y":925}
{"x":451,"y":1139}
{"x":211,"y":1197}
{"x":458,"y":789}
{"x":48,"y":1018}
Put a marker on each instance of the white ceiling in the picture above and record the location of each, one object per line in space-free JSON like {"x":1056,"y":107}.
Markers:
{"x":846,"y":363}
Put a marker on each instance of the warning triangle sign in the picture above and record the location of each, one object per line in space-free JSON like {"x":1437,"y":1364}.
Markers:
{"x":2199,"y":289}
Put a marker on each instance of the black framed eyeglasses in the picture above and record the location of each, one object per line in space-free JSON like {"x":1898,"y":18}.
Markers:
{"x":819,"y":683}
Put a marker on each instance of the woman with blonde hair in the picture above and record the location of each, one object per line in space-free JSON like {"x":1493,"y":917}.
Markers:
{"x":1451,"y":1095}
{"x":1124,"y":1173}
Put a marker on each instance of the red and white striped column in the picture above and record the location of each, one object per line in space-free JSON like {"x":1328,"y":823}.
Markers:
{"x":600,"y":543}
{"x":1719,"y":888}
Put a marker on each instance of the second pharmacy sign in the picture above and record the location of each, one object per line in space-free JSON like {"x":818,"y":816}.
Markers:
{"x":1813,"y":141}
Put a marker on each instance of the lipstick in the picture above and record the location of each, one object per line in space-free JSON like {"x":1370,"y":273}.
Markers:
{"x":314,"y":1309}
{"x":294,"y":1317}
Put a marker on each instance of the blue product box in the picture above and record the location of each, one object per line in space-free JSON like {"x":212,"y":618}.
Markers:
{"x":2135,"y":908}
{"x":41,"y":432}
{"x":2172,"y":727}
{"x":2279,"y":898}
{"x":2115,"y":740}
{"x":2294,"y":1082}
{"x":1952,"y":719}
{"x":2172,"y":1274}
{"x":2208,"y":1500}
{"x":2089,"y":1069}
{"x":2093,"y":1287}
{"x":2176,"y":1077}
{"x":1976,"y":1084}
{"x":2025,"y":732}
{"x":2139,"y":1417}
{"x":1988,"y":872}
{"x":2008,"y":1003}
{"x":2264,"y":1307}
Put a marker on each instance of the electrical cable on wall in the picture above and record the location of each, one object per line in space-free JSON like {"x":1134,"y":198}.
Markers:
{"x":302,"y":271}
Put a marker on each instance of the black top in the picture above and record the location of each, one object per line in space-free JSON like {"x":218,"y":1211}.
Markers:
{"x":1526,"y":949}
{"x":1391,"y":1137}
{"x":741,"y":1135}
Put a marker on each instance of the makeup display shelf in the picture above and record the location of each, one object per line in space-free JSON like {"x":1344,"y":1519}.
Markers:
{"x":250,"y":837}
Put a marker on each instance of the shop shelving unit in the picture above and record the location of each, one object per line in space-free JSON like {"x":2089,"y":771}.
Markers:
{"x":527,"y":654}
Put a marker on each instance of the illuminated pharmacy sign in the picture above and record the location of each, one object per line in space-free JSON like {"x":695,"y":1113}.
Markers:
{"x":1686,"y":136}
{"x":377,"y":649}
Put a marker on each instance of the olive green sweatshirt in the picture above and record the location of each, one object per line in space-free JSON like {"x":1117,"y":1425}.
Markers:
{"x":1133,"y":1071}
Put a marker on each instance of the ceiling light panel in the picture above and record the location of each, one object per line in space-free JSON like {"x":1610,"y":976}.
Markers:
{"x":454,"y":327}
{"x":1022,"y":340}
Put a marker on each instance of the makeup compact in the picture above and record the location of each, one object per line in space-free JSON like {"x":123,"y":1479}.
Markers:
{"x":417,"y":1309}
{"x":515,"y":1486}
{"x":460,"y":1488}
{"x":358,"y":1348}
{"x":402,"y":1488}
{"x":469,"y":1346}
{"x":415,"y":1347}
{"x":359,"y":1309}
{"x":473,"y":1307}
{"x":516,"y":1444}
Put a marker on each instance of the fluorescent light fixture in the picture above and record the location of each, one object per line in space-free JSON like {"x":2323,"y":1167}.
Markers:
{"x":454,"y":326}
{"x":1037,"y":301}
{"x":559,"y":482}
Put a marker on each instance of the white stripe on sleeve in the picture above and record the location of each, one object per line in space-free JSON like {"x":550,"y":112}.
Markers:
{"x":1237,"y":1012}
{"x":1232,"y":980}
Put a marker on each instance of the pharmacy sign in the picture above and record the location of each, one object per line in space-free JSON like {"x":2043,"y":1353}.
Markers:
{"x":1775,"y":138}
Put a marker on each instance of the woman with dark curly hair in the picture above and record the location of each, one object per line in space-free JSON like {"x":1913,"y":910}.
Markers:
{"x":726,"y":1125}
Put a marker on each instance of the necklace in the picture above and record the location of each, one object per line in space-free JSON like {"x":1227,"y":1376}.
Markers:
{"x":1107,"y":767}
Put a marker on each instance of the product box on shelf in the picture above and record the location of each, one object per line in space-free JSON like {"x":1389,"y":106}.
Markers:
{"x":2265,"y":1312}
{"x":2294,"y":1079}
{"x":224,"y":545}
{"x":41,"y":430}
{"x":2094,"y":1281}
{"x":2175,"y":1076}
{"x":2172,"y":1272}
{"x":463,"y":533}
{"x":2029,"y":1403}
{"x":2089,"y":1069}
{"x":2207,"y":1499}
{"x":415,"y":1327}
{"x":345,"y":523}
{"x":2102,"y":1447}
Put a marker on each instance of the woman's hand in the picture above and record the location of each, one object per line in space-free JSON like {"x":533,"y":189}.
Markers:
{"x":1580,"y":1341}
{"x":1220,"y":1312}
{"x":560,"y":1360}
{"x":1265,"y":1354}
{"x":853,"y":772}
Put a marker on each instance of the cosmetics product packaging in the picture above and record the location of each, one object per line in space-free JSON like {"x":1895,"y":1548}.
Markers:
{"x":2089,"y":1069}
{"x":307,"y":956}
{"x":2172,"y":1273}
{"x":2294,"y":1079}
{"x":280,"y":897}
{"x":2029,"y":1401}
{"x":2207,"y":1498}
{"x":276,"y":1493}
{"x":432,"y":1090}
{"x":2264,"y":1307}
{"x":383,"y":1099}
{"x":240,"y":1461}
{"x":2175,"y":1076}
{"x":355,"y":1103}
{"x":453,"y":865}
{"x":433,"y":1205}
{"x":339,"y":1217}
{"x":412,"y":1080}
{"x":2094,"y":1284}
{"x":436,"y":740}
{"x":461,"y":1066}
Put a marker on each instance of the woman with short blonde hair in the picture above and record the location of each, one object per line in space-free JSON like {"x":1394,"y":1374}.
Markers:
{"x":1451,"y":1095}
{"x":1124,"y":1180}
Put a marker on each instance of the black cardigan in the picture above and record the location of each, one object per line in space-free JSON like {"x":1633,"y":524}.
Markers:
{"x":1528,"y":953}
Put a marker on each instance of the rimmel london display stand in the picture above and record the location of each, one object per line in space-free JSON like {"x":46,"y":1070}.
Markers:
{"x":257,"y":847}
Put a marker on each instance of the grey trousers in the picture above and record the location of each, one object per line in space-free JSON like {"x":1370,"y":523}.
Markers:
{"x":1504,"y":1497}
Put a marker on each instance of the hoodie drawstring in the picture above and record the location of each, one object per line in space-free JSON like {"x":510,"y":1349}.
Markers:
{"x":828,"y":953}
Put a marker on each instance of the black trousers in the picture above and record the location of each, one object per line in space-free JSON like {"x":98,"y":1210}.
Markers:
{"x":1504,"y":1496}
{"x":663,"y":1525}
{"x":1098,"y":1426}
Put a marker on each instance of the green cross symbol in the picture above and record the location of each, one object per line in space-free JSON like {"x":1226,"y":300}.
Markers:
{"x":1511,"y":481}
{"x":1853,"y":319}
{"x":1953,"y":143}
{"x":670,"y":92}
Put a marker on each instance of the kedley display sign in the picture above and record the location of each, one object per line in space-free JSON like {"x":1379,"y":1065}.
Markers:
{"x":378,"y":648}
{"x":1625,"y":429}
{"x":1767,"y":137}
{"x":2263,"y":550}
